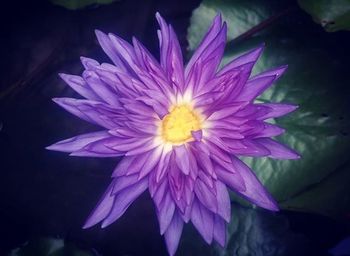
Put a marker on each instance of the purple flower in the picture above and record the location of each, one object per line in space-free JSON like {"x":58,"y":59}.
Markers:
{"x":180,"y":129}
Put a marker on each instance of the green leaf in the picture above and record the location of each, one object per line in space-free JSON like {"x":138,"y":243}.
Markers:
{"x":333,"y":15}
{"x":79,"y":4}
{"x":239,"y":14}
{"x":261,"y":232}
{"x":319,"y":130}
{"x":48,"y":247}
{"x":329,"y":196}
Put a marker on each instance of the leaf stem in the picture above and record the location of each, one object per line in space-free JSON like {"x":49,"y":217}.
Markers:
{"x":262,"y":25}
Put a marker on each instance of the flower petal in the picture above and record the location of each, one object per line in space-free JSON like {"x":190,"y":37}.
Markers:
{"x":278,"y":150}
{"x":203,"y":220}
{"x":78,"y":84}
{"x":123,"y":200}
{"x":173,"y":233}
{"x":276,"y":110}
{"x":170,"y":53}
{"x":250,"y":56}
{"x":219,"y":230}
{"x":78,"y":142}
{"x":255,"y":191}
{"x":102,"y":209}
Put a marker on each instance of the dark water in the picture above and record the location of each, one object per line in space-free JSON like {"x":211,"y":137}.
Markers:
{"x":48,"y":194}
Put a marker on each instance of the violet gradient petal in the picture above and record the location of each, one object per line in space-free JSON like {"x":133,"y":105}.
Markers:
{"x":277,"y":150}
{"x":170,"y":53}
{"x":203,"y":220}
{"x":173,"y":233}
{"x":102,"y":209}
{"x":78,"y":142}
{"x":78,"y":84}
{"x":276,"y":110}
{"x":123,"y":200}
{"x":255,"y":191}
{"x":219,"y":230}
{"x":250,"y":56}
{"x":206,"y":41}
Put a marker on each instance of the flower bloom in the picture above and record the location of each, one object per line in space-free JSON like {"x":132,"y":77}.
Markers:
{"x":180,"y":129}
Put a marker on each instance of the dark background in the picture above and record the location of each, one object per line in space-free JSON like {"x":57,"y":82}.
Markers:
{"x":48,"y":194}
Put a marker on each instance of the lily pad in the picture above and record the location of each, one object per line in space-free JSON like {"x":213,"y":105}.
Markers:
{"x":333,"y":15}
{"x":79,"y":4}
{"x":239,"y":14}
{"x":263,"y":233}
{"x":319,"y":130}
{"x":48,"y":247}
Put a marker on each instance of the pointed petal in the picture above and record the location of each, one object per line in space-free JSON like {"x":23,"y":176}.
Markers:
{"x":102,"y":209}
{"x":219,"y":231}
{"x":250,"y":56}
{"x":123,"y":200}
{"x":78,"y":84}
{"x":170,"y":53}
{"x":173,"y":234}
{"x":278,"y":150}
{"x":206,"y":41}
{"x":78,"y":142}
{"x":277,"y":110}
{"x":255,"y":87}
{"x":166,"y":210}
{"x":255,"y":191}
{"x":223,"y":201}
{"x":203,"y":220}
{"x":206,"y":196}
{"x":92,"y":111}
{"x":109,"y":49}
{"x":182,"y":158}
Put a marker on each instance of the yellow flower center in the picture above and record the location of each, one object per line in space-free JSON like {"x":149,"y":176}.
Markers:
{"x":178,"y":124}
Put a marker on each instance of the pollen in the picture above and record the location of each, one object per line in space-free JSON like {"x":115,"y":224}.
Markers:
{"x":178,"y":124}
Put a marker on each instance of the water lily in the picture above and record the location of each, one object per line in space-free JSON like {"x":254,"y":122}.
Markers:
{"x":179,"y":129}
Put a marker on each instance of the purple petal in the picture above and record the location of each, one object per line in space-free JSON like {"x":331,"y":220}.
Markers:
{"x":277,"y":72}
{"x":123,"y":200}
{"x":205,"y":61}
{"x":98,"y":149}
{"x":255,"y":191}
{"x":152,"y":161}
{"x":170,"y":53}
{"x":206,"y":196}
{"x":78,"y":142}
{"x":110,"y":50}
{"x":250,"y":56}
{"x":219,"y":230}
{"x":223,"y":201}
{"x":78,"y":84}
{"x":166,"y":210}
{"x":124,"y":165}
{"x":89,"y":64}
{"x":206,"y":41}
{"x":173,"y":234}
{"x":277,"y":110}
{"x":269,"y":130}
{"x":100,"y":88}
{"x":227,"y":110}
{"x":91,"y":111}
{"x":203,"y":220}
{"x":182,"y":158}
{"x":256,"y":87}
{"x":278,"y":150}
{"x":123,"y":182}
{"x":197,"y":135}
{"x":102,"y":209}
{"x":232,"y":180}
